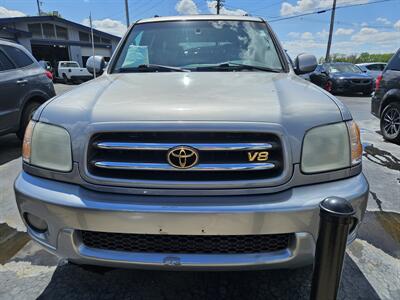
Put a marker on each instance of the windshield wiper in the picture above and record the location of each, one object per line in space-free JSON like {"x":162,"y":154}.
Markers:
{"x":152,"y":68}
{"x":238,"y":66}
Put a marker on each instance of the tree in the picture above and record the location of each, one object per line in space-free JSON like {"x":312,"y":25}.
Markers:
{"x":364,"y":57}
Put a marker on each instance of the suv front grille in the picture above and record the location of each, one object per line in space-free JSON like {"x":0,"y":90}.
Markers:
{"x":194,"y":244}
{"x":222,"y":156}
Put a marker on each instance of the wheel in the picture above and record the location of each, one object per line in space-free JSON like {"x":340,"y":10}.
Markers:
{"x":390,"y":122}
{"x":329,"y":86}
{"x":65,"y":79}
{"x":27,"y":115}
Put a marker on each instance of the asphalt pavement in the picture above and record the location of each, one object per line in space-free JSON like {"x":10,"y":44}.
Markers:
{"x":371,"y":270}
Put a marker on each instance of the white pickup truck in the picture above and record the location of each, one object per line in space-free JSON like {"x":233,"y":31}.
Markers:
{"x":70,"y":71}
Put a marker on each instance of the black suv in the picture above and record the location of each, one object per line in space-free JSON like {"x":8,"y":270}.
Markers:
{"x":24,"y":86}
{"x":386,"y":100}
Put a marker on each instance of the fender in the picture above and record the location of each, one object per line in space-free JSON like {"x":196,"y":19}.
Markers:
{"x":32,"y":94}
{"x":390,"y":96}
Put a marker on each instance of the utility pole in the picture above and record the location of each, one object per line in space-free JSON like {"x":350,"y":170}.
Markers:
{"x":127,"y":13}
{"x":38,"y":7}
{"x":219,"y":5}
{"x":328,"y":49}
{"x":91,"y":31}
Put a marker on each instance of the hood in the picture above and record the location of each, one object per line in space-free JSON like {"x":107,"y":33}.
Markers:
{"x":200,"y":96}
{"x":276,"y":98}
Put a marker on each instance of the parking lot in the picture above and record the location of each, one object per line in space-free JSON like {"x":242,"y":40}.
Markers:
{"x":372,"y":265}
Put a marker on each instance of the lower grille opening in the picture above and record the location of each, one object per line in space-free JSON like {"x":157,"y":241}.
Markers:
{"x":191,"y":244}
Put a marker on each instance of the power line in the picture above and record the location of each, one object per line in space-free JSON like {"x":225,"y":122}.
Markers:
{"x":255,"y":11}
{"x":328,"y":9}
{"x":270,"y":5}
{"x":346,"y":24}
{"x":347,"y":4}
{"x":149,"y":8}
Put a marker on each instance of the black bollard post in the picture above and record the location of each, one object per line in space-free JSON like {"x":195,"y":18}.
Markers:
{"x":335,"y":218}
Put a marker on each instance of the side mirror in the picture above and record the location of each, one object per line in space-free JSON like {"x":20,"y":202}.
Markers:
{"x":305,"y":63}
{"x":95,"y":64}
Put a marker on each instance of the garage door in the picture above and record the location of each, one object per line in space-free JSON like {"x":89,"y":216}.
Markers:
{"x":51,"y":53}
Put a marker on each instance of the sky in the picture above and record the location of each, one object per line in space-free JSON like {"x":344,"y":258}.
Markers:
{"x":363,"y":26}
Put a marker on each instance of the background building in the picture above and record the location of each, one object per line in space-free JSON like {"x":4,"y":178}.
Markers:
{"x":53,"y":39}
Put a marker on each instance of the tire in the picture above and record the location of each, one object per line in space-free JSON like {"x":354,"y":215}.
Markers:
{"x":329,"y":86}
{"x":27,"y":114}
{"x":65,"y":79}
{"x":390,"y":122}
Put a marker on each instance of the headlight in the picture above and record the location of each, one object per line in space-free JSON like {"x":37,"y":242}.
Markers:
{"x":355,"y":142}
{"x":331,"y":147}
{"x":47,"y":146}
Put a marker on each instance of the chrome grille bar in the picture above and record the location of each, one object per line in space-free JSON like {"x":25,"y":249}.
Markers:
{"x":166,"y":167}
{"x":198,"y":146}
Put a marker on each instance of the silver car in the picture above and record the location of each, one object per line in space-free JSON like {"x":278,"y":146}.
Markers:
{"x":373,"y":69}
{"x":198,"y":148}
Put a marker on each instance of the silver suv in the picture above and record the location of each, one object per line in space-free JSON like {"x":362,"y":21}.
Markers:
{"x":198,"y":148}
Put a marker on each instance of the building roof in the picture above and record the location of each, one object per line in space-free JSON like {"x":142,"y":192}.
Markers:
{"x":202,"y":17}
{"x":5,"y":21}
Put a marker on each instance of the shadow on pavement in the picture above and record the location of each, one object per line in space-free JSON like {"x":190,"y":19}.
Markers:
{"x":11,"y":241}
{"x":382,"y":229}
{"x":10,"y":148}
{"x":72,"y":282}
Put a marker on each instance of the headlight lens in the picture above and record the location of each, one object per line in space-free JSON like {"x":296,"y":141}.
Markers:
{"x":47,"y":146}
{"x":326,"y":148}
{"x":355,"y":142}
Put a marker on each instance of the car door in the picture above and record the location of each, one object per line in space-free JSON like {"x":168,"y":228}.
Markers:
{"x":10,"y":93}
{"x":27,"y":73}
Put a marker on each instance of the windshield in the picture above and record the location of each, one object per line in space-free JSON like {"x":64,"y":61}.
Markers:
{"x":344,"y":68}
{"x":196,"y":45}
{"x":69,"y":65}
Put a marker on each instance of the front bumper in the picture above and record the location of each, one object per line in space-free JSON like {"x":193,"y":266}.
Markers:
{"x":349,"y":87}
{"x":69,"y":208}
